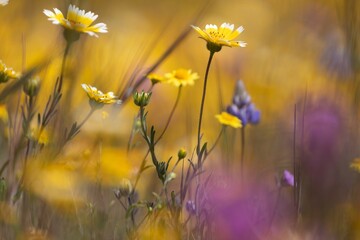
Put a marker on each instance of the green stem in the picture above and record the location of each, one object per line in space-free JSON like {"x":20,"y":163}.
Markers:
{"x":217,"y":140}
{"x":202,"y":106}
{"x":66,"y":53}
{"x":87,"y":117}
{"x":171,"y":114}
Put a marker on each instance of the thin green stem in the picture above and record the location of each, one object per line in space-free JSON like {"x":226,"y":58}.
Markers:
{"x":217,"y":140}
{"x":86,"y":118}
{"x":202,"y":106}
{"x":66,"y":53}
{"x":171,"y":115}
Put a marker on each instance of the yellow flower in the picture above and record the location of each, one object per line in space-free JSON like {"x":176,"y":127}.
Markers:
{"x":77,"y":20}
{"x":98,"y":97}
{"x":218,"y":37}
{"x":181,"y":77}
{"x":155,"y":78}
{"x":7,"y":73}
{"x":229,"y":120}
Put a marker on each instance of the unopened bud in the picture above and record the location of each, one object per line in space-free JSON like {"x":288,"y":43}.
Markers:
{"x":32,"y":86}
{"x":182,"y":153}
{"x":142,"y":99}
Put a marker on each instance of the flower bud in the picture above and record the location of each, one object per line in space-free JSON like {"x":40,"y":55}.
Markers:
{"x":182,"y":153}
{"x":32,"y":86}
{"x":142,"y":99}
{"x":125,"y":189}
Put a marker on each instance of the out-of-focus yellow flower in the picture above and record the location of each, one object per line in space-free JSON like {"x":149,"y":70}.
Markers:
{"x":99,"y":98}
{"x":218,"y":37}
{"x":54,"y":182}
{"x":229,"y":120}
{"x":355,"y":164}
{"x":77,"y":20}
{"x":181,"y":77}
{"x":41,"y":137}
{"x":155,"y":78}
{"x":7,"y":73}
{"x":110,"y":168}
{"x":4,"y":116}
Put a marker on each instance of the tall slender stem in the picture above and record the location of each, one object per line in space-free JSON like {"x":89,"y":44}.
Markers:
{"x":171,"y":114}
{"x":63,"y":63}
{"x":87,"y":117}
{"x":202,"y":105}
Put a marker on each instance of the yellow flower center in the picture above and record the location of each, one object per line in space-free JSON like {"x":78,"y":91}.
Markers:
{"x":216,"y":35}
{"x":181,"y":74}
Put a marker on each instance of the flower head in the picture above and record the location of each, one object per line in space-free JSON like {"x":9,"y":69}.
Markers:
{"x":125,"y":189}
{"x":229,"y":120}
{"x":98,"y":98}
{"x":32,"y":86}
{"x":218,"y":37}
{"x":242,"y":107}
{"x":142,"y":99}
{"x":287,"y":179}
{"x":77,"y":20}
{"x":7,"y":73}
{"x":181,"y":77}
{"x":155,"y":78}
{"x":190,"y":207}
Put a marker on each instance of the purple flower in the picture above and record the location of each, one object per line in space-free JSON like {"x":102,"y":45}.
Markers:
{"x":242,"y":107}
{"x":190,"y":207}
{"x":287,"y":179}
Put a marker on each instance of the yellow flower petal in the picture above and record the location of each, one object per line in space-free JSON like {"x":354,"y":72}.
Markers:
{"x":229,"y":120}
{"x":98,"y":96}
{"x":181,"y":77}
{"x":222,"y":36}
{"x":77,"y":20}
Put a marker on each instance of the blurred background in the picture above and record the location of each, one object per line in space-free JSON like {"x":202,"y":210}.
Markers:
{"x":301,"y":68}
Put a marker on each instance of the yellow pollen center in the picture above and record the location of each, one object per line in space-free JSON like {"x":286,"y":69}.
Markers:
{"x":181,"y":74}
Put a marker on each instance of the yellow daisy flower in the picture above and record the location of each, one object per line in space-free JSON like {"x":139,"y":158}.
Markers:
{"x":99,"y":97}
{"x":181,"y":77}
{"x":218,"y":37}
{"x":77,"y":20}
{"x":7,"y":73}
{"x":155,"y":78}
{"x":229,"y":120}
